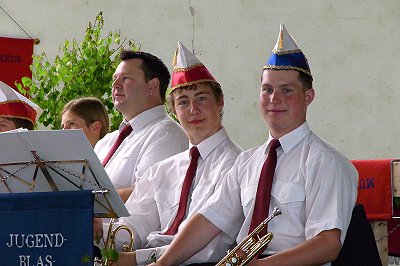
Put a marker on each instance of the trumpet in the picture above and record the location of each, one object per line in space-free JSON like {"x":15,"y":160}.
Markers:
{"x":110,"y":243}
{"x":250,"y":246}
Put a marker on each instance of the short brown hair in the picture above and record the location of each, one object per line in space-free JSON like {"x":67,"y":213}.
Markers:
{"x":306,"y":80}
{"x":90,"y":109}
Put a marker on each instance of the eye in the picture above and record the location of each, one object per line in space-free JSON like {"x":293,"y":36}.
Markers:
{"x":286,"y":90}
{"x":182,"y":102}
{"x":267,"y":90}
{"x":202,"y":98}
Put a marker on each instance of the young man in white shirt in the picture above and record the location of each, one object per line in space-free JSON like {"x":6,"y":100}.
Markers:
{"x":314,"y":185}
{"x":197,"y":100}
{"x":138,"y":91}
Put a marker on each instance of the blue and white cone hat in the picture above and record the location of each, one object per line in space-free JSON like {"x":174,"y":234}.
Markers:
{"x":287,"y":55}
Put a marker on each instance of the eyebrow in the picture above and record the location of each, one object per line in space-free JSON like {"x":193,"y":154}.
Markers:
{"x":196,"y":94}
{"x":181,"y":97}
{"x":279,"y":86}
{"x":201,"y":92}
{"x":122,"y":73}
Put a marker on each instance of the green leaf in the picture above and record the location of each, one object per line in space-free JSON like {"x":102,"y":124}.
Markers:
{"x":85,"y":259}
{"x":108,"y":253}
{"x":396,"y":201}
{"x":80,"y":69}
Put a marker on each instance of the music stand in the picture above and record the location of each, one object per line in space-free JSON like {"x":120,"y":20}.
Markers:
{"x":56,"y":160}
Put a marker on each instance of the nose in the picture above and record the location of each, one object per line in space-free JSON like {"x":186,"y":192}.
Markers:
{"x":194,"y":108}
{"x":116,"y":83}
{"x":274,"y":97}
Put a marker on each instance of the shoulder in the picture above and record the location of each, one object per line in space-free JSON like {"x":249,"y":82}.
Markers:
{"x":109,"y":137}
{"x":251,"y":154}
{"x":164,"y":168}
{"x":230,"y":147}
{"x":166,"y":124}
{"x":322,"y":152}
{"x":319,"y":146}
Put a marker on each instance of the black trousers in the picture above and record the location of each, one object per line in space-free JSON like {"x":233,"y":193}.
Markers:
{"x":96,"y":252}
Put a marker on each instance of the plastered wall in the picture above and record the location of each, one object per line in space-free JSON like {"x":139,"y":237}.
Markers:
{"x":352,"y":48}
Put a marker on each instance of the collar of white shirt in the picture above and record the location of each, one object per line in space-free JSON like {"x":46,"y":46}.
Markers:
{"x":292,"y":138}
{"x":144,"y":118}
{"x":209,"y":144}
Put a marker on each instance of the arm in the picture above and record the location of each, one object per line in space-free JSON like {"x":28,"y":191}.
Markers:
{"x":97,"y":229}
{"x":194,"y":237}
{"x":318,"y":250}
{"x":124,"y":193}
{"x":179,"y":250}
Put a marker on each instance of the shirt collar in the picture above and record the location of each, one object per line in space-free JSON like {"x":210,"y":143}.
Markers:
{"x":209,"y":144}
{"x":144,"y":118}
{"x":292,"y":138}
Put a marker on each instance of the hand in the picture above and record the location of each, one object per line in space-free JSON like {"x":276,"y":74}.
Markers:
{"x":156,"y":264}
{"x":126,"y":259}
{"x":253,"y":262}
{"x":97,"y":229}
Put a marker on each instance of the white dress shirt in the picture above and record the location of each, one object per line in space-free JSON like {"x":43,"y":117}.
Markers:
{"x":155,"y":137}
{"x":314,"y":186}
{"x":154,"y":204}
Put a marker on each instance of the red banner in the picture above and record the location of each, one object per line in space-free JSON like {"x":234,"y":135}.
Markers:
{"x":15,"y":59}
{"x":375,"y":188}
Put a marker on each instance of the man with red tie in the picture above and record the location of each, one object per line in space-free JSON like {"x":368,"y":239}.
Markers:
{"x":147,"y":134}
{"x":175,"y":189}
{"x":312,"y":183}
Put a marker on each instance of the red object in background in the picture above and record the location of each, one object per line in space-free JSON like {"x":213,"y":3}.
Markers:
{"x":394,"y":238}
{"x":15,"y":59}
{"x":375,"y":188}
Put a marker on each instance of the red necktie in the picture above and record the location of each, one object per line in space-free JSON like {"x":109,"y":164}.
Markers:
{"x":122,"y":135}
{"x":187,"y":183}
{"x":263,"y":195}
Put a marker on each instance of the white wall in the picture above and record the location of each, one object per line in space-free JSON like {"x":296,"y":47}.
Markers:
{"x":352,"y":48}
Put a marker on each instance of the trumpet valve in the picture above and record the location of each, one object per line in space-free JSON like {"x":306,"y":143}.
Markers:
{"x":233,"y":261}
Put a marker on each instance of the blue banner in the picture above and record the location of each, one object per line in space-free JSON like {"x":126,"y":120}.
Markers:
{"x":46,"y":228}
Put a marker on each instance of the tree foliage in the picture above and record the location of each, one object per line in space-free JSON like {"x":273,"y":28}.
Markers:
{"x":80,"y":69}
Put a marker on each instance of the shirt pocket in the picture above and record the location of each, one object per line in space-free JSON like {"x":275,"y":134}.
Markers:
{"x":167,"y":203}
{"x":247,"y":195}
{"x":290,"y":199}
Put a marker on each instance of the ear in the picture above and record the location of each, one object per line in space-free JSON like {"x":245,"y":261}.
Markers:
{"x":309,"y":96}
{"x":95,"y":126}
{"x":221,"y":102}
{"x":154,"y":86}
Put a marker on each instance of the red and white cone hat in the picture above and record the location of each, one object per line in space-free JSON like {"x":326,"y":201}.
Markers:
{"x":15,"y":105}
{"x":188,"y":69}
